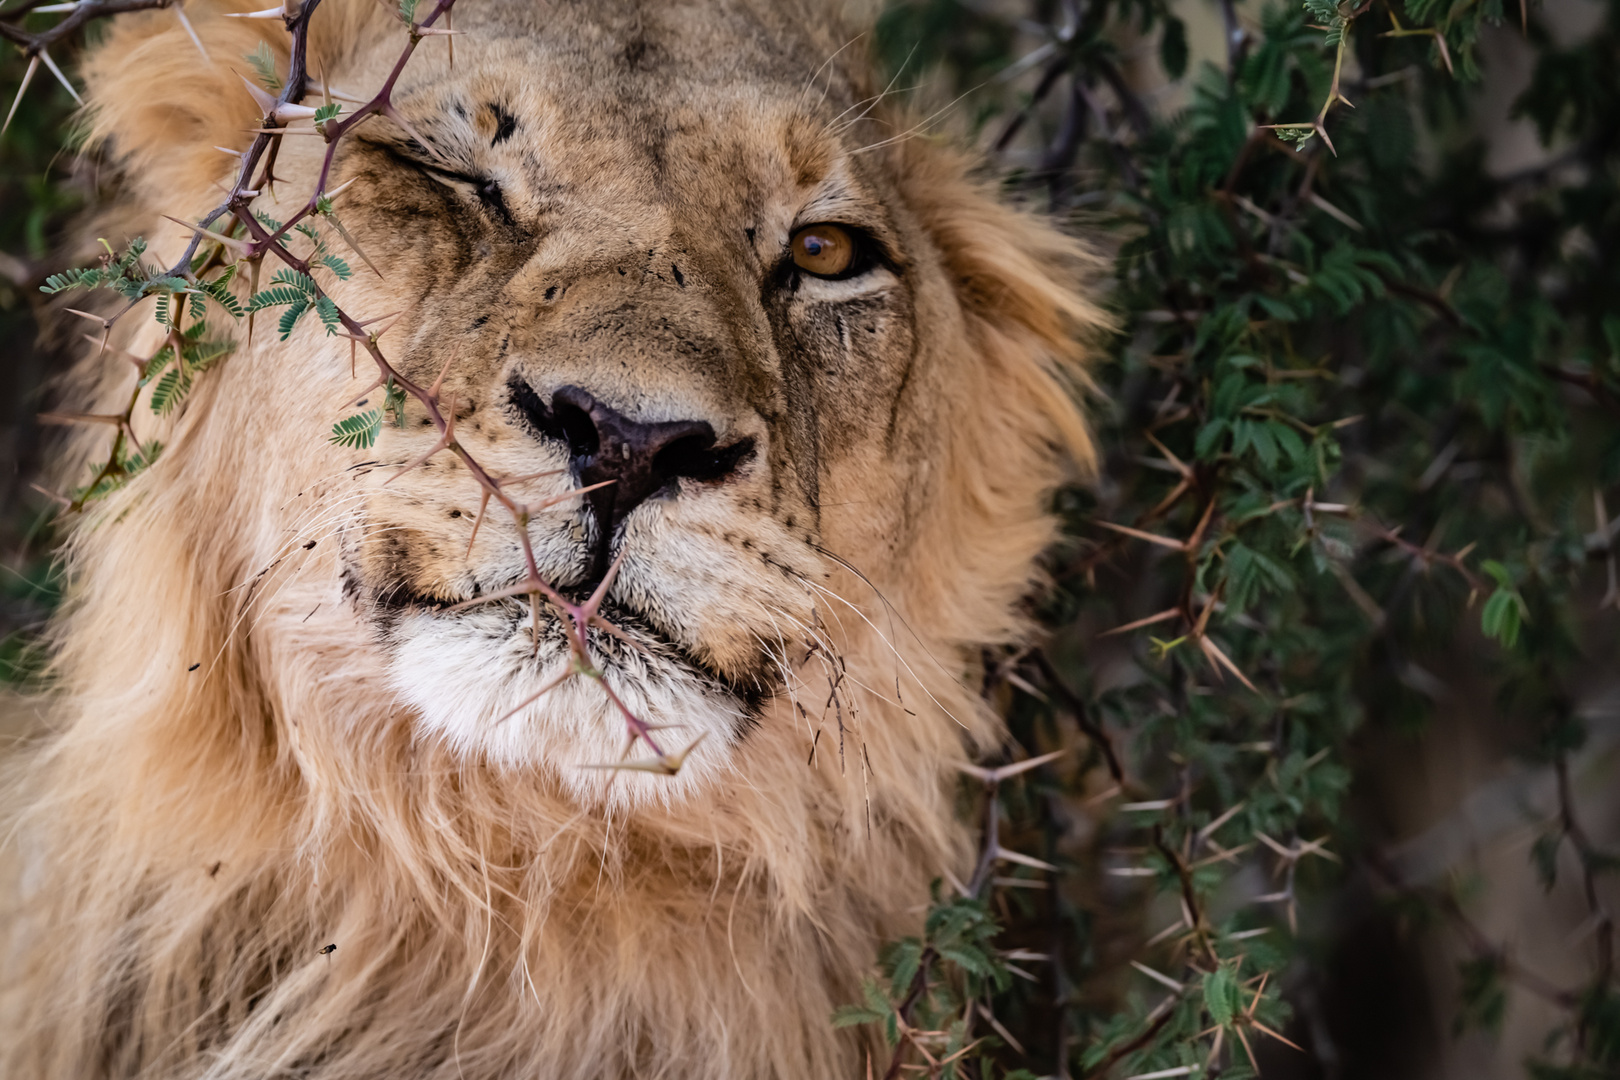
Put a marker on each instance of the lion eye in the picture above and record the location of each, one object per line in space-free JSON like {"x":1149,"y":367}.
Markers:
{"x":824,"y":250}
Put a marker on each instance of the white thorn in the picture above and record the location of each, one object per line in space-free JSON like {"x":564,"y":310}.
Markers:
{"x":192,"y":34}
{"x":267,"y":13}
{"x":61,"y":78}
{"x":288,"y":113}
{"x":33,"y":66}
{"x":52,"y":9}
{"x":228,"y":150}
{"x":265,"y":102}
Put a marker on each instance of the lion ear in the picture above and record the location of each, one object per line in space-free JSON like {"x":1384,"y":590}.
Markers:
{"x":159,"y":107}
{"x":1022,"y":285}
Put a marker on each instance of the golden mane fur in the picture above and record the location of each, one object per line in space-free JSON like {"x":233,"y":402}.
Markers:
{"x":180,"y":844}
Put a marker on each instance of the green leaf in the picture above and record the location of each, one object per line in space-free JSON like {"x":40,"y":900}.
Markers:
{"x":1221,"y":995}
{"x":359,"y":431}
{"x":264,"y":64}
{"x":337,"y":266}
{"x":170,"y":389}
{"x":289,"y":318}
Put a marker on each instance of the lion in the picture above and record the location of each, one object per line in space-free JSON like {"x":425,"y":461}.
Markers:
{"x":300,"y":809}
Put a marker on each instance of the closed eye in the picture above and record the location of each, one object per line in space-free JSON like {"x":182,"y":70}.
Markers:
{"x":485,"y":188}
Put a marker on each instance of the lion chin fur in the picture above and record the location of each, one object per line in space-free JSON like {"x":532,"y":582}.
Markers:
{"x":229,"y":780}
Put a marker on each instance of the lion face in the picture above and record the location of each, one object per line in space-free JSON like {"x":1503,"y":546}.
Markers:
{"x":666,"y":262}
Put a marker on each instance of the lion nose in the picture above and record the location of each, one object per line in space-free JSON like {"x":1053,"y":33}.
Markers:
{"x":641,"y":459}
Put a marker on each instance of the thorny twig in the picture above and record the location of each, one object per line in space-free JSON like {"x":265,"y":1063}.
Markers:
{"x":261,"y":241}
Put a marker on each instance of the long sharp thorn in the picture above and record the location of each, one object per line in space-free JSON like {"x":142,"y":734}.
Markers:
{"x":80,"y":418}
{"x":332,"y":195}
{"x":191,"y":33}
{"x":264,"y":101}
{"x":666,"y":765}
{"x":33,"y":66}
{"x":253,"y":287}
{"x":590,"y":606}
{"x":483,"y":504}
{"x":537,"y":695}
{"x":86,"y":315}
{"x":565,"y":496}
{"x":444,"y":441}
{"x":347,"y":239}
{"x":380,"y":318}
{"x":102,"y":343}
{"x":219,"y":238}
{"x":522,"y":588}
{"x":267,"y":13}
{"x":395,"y":115}
{"x":433,"y":391}
{"x":449,"y":23}
{"x":614,"y":632}
{"x":53,"y":496}
{"x":61,"y":78}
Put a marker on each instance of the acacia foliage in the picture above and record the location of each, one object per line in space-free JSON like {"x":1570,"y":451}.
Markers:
{"x":1360,"y":427}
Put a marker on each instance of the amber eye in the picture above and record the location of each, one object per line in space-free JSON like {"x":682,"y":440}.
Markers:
{"x":823,"y":250}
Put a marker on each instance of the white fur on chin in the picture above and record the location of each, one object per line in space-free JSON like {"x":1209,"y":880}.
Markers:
{"x":462,"y":673}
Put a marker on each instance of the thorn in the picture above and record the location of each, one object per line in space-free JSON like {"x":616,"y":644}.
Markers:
{"x":237,"y":154}
{"x":546,"y":504}
{"x":101,"y":343}
{"x":253,"y":287}
{"x":267,"y":13}
{"x":449,"y":23}
{"x":238,"y":246}
{"x":666,"y":765}
{"x":433,"y":391}
{"x":1164,"y":541}
{"x":522,"y":588}
{"x":80,"y":418}
{"x":288,"y":112}
{"x":434,"y":31}
{"x":483,"y":505}
{"x":589,"y":607}
{"x":61,"y":78}
{"x":33,"y":66}
{"x":996,"y":775}
{"x":180,"y":13}
{"x":332,"y":91}
{"x":567,"y":674}
{"x":380,"y":318}
{"x":1022,"y":859}
{"x":1213,"y":651}
{"x":331,"y":196}
{"x":264,"y":101}
{"x":356,"y":248}
{"x":105,"y":323}
{"x":446,"y":438}
{"x":1168,"y":613}
{"x":53,"y":496}
{"x":394,"y":115}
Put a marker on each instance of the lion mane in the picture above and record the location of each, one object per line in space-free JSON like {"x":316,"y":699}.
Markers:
{"x":268,"y":732}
